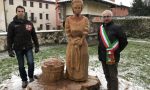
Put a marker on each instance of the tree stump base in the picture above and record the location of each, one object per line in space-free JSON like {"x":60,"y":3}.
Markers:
{"x":52,"y":78}
{"x":92,"y":83}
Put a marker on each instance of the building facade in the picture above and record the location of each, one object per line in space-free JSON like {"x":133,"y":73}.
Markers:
{"x":41,"y":13}
{"x":93,"y":9}
{"x":2,"y":17}
{"x":120,"y":11}
{"x":44,"y":14}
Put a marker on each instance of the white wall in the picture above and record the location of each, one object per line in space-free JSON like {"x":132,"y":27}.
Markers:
{"x":11,"y":12}
{"x":2,"y":17}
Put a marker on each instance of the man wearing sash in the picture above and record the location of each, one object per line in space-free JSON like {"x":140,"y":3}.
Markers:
{"x":112,"y":41}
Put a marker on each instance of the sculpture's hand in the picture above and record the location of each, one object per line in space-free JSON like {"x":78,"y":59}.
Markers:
{"x":78,"y":41}
{"x":81,"y":40}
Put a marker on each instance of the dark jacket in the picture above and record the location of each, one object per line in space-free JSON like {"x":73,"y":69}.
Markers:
{"x":20,"y":35}
{"x":114,"y":32}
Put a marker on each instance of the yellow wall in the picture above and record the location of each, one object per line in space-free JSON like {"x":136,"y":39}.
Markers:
{"x":90,"y":7}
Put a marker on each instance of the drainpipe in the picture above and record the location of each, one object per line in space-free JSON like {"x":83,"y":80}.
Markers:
{"x":5,"y":15}
{"x":57,"y":15}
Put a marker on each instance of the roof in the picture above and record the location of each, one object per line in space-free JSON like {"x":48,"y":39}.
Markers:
{"x":55,"y":0}
{"x":102,"y":1}
{"x":44,"y":1}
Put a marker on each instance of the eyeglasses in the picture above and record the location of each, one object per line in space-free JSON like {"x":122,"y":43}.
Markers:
{"x":106,"y":16}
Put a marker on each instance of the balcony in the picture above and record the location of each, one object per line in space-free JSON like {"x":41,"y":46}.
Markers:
{"x":33,"y":19}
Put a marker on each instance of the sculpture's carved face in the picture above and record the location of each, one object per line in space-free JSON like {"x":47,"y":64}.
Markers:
{"x":77,"y":7}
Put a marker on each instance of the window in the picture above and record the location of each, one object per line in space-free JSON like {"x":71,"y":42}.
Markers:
{"x":11,"y":2}
{"x":47,"y":16}
{"x":46,"y":6}
{"x":41,"y":17}
{"x":59,"y":15}
{"x":24,"y":3}
{"x":31,"y":4}
{"x":32,"y":16}
{"x":41,"y":26}
{"x":47,"y":27}
{"x":40,"y":5}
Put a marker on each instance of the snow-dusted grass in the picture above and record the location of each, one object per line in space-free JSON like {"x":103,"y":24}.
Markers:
{"x":134,"y":65}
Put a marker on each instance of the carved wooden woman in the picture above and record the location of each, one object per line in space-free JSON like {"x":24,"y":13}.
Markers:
{"x":77,"y":58}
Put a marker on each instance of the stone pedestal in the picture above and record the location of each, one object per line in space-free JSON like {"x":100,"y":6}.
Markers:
{"x":52,"y":78}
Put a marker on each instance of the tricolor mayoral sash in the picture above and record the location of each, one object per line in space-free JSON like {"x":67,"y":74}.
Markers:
{"x":110,"y":47}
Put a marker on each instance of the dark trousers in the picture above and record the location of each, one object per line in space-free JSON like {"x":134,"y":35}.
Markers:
{"x":30,"y":62}
{"x":111,"y":74}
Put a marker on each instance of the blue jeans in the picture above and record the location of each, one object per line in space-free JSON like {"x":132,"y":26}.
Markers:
{"x":30,"y":62}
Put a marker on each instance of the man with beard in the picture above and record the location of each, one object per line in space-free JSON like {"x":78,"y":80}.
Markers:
{"x":20,"y":34}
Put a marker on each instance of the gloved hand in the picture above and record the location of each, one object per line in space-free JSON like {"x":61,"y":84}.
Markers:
{"x":11,"y":53}
{"x":36,"y":50}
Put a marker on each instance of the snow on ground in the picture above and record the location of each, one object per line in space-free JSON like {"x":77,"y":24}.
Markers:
{"x":15,"y":82}
{"x":3,"y":55}
{"x":123,"y":84}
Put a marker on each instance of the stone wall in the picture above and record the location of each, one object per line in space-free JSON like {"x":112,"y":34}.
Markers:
{"x":43,"y":38}
{"x":3,"y":43}
{"x":135,"y":27}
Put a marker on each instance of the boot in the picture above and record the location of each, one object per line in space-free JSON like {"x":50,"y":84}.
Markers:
{"x":31,"y":80}
{"x":24,"y":84}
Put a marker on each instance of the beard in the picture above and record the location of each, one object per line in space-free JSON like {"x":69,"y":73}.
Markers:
{"x":21,"y":17}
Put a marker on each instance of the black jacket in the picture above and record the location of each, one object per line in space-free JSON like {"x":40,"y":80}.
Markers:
{"x":20,"y":35}
{"x":114,"y":32}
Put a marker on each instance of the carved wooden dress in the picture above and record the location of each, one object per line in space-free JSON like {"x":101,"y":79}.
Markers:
{"x":77,"y":49}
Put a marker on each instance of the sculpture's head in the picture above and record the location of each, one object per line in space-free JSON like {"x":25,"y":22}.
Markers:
{"x":77,"y":6}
